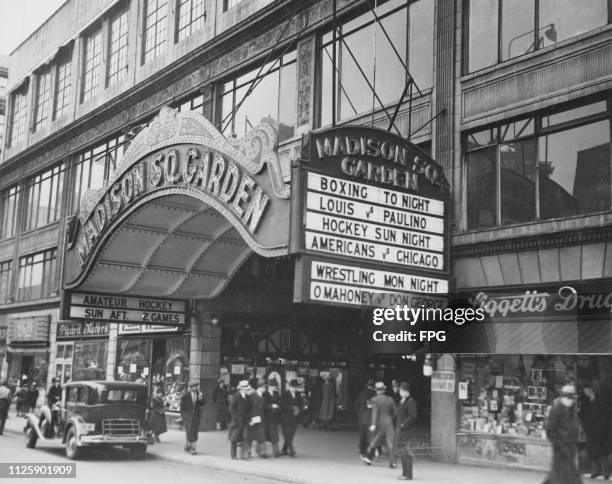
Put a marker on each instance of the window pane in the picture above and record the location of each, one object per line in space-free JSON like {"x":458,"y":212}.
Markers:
{"x":518,"y":129}
{"x":574,"y":171}
{"x":355,"y":95}
{"x":117,"y":52}
{"x":481,"y":189}
{"x":482,"y":42}
{"x":420,"y":62}
{"x":481,"y":138}
{"x":390,"y":74}
{"x":287,"y":115}
{"x":261,"y":103}
{"x":90,"y":360}
{"x":517,"y":172}
{"x":518,"y":24}
{"x":564,"y":19}
{"x":326,"y":85}
{"x":573,"y":114}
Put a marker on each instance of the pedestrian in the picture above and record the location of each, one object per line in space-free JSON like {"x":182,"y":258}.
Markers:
{"x":314,"y":404}
{"x":593,"y":416}
{"x":328,"y":402}
{"x":219,"y":396}
{"x":404,"y":423}
{"x":291,"y":405}
{"x":383,"y":413}
{"x":272,"y":415}
{"x":562,"y":431}
{"x":6,"y":396}
{"x":239,"y":421}
{"x":32,"y":397}
{"x":394,"y":392}
{"x":191,"y":404}
{"x":257,"y":427}
{"x":363,"y":408}
{"x":54,"y":394}
{"x":157,"y":414}
{"x":21,"y":397}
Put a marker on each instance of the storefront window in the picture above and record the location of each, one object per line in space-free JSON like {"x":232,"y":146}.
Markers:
{"x":523,"y":31}
{"x":565,"y":154}
{"x":90,"y":360}
{"x":364,"y":39}
{"x":63,"y":362}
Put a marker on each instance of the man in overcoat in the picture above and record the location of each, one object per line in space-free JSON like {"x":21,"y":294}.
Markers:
{"x":363,"y":408}
{"x":272,"y":415}
{"x":191,"y":403}
{"x":291,"y":407}
{"x":562,"y":431}
{"x":383,"y":414}
{"x":239,"y":421}
{"x":257,"y":427}
{"x":404,"y":423}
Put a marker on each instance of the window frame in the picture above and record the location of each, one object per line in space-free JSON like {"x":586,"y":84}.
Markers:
{"x":89,"y":92}
{"x":6,"y":274}
{"x":119,"y":15}
{"x":49,"y":269}
{"x":9,"y":192}
{"x":178,"y":37}
{"x":18,"y":116}
{"x":159,"y":47}
{"x":62,"y":85}
{"x":43,"y":98}
{"x":32,"y":211}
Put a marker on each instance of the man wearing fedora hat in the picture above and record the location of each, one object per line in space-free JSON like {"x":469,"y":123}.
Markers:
{"x":291,"y":407}
{"x":383,"y":413}
{"x":272,"y":415}
{"x":257,"y":429}
{"x":562,"y":431}
{"x":406,"y":418}
{"x":191,"y":403}
{"x":239,"y":421}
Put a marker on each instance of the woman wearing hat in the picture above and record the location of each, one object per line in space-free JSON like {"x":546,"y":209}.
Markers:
{"x":562,"y":431}
{"x":239,"y":421}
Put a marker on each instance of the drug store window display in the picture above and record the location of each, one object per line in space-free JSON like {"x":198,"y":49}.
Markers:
{"x":511,"y":394}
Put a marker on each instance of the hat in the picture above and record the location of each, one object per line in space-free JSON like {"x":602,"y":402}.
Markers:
{"x":380,"y":386}
{"x":244,"y":384}
{"x":568,"y":390}
{"x":293,"y":383}
{"x":54,"y":379}
{"x":370,"y":383}
{"x":194,"y":384}
{"x":404,"y":386}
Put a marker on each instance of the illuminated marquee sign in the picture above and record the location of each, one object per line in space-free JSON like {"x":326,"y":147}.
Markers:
{"x":370,"y":220}
{"x":121,"y":309}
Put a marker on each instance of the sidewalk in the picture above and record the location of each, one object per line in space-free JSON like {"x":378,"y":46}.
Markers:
{"x":324,"y":457}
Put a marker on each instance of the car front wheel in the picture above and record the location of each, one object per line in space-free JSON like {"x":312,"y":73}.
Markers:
{"x":30,"y":437}
{"x":73,"y":451}
{"x":138,"y":451}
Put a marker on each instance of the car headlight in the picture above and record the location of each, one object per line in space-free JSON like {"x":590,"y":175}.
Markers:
{"x":85,"y":427}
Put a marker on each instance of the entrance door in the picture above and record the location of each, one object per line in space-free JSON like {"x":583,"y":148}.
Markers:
{"x":27,"y":362}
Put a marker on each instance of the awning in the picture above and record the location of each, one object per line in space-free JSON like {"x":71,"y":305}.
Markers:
{"x":24,"y":350}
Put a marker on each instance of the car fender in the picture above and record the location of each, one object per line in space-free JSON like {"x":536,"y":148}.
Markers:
{"x":45,"y":411}
{"x":32,"y":421}
{"x":73,"y":422}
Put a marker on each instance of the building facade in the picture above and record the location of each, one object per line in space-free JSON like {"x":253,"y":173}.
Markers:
{"x":510,"y":109}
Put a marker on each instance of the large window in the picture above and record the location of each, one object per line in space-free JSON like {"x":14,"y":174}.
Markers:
{"x":411,"y":32}
{"x":44,"y":198}
{"x":62,"y":88}
{"x":43,"y":98}
{"x":8,"y":210}
{"x":273,"y":97}
{"x":191,"y":17}
{"x":118,"y":48}
{"x":95,"y":166}
{"x":90,"y":360}
{"x":154,"y":29}
{"x":197,"y":103}
{"x":5,"y":281}
{"x":19,"y":117}
{"x":92,"y":61}
{"x":553,"y":165}
{"x":36,"y":276}
{"x":498,"y":30}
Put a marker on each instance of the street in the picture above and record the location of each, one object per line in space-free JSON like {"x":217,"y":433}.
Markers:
{"x":96,"y":468}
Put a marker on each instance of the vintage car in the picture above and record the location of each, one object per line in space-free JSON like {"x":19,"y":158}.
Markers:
{"x":93,"y":413}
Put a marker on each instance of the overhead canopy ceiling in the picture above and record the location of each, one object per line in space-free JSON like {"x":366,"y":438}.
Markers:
{"x":173,"y":246}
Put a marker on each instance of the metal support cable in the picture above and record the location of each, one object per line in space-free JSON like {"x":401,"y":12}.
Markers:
{"x":340,"y":82}
{"x":427,"y":123}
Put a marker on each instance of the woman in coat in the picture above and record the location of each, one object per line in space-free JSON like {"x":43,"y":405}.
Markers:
{"x":157,"y":418}
{"x":220,"y":398}
{"x":328,"y":402}
{"x":593,"y":416}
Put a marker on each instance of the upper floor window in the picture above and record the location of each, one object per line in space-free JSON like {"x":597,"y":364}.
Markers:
{"x":498,"y":31}
{"x":6,"y":268}
{"x":43,"y":98}
{"x":62,"y":88}
{"x":227,"y":4}
{"x":36,"y":278}
{"x":118,"y":48}
{"x":95,"y":166}
{"x":3,"y":83}
{"x":92,"y":61}
{"x":274,"y":96}
{"x":191,"y":17}
{"x":155,"y":20}
{"x":43,"y":198}
{"x":8,"y":210}
{"x":553,"y":165}
{"x":197,"y":103}
{"x":19,"y":117}
{"x":362,"y":43}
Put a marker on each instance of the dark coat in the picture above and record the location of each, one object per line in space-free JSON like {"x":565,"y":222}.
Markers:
{"x":32,"y":397}
{"x":594,"y":419}
{"x":291,"y":407}
{"x":316,"y":399}
{"x":190,"y":413}
{"x":239,"y":418}
{"x":157,"y":419}
{"x":562,"y":431}
{"x":54,"y":395}
{"x":219,"y":396}
{"x":257,"y":432}
{"x":363,"y":407}
{"x":271,"y":416}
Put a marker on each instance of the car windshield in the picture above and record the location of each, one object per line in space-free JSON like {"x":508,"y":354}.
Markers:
{"x":123,"y":395}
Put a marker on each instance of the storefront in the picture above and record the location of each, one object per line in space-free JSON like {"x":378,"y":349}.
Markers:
{"x":3,"y":333}
{"x":28,"y":349}
{"x":155,"y":355}
{"x":81,"y":351}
